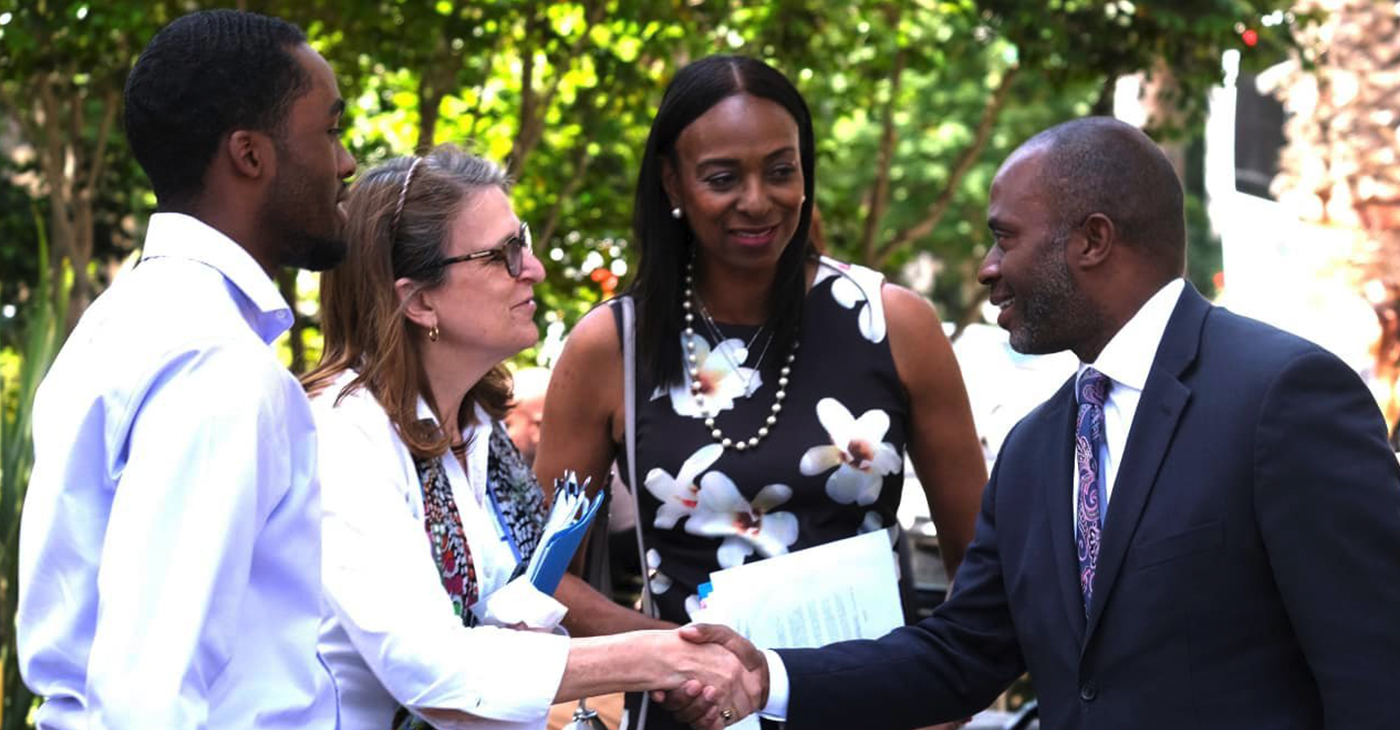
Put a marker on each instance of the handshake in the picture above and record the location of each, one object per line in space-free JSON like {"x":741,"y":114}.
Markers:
{"x":716,"y":676}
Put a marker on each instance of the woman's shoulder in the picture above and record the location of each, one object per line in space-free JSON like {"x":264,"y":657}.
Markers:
{"x":883,"y":307}
{"x":597,"y":337}
{"x":343,"y":403}
{"x":865,"y":278}
{"x":855,"y":288}
{"x":356,"y":441}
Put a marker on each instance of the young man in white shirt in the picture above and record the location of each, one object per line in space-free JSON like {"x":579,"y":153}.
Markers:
{"x":169,"y":550}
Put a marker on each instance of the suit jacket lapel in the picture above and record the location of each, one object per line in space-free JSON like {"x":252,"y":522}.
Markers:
{"x":1056,"y":456}
{"x":1164,"y":398}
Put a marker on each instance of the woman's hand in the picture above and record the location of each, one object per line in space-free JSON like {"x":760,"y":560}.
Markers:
{"x":718,"y":687}
{"x":700,"y":705}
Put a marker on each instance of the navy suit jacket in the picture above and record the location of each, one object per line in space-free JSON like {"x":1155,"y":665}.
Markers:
{"x":1249,"y":573}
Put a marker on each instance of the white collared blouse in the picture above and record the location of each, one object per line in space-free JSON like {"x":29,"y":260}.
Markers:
{"x":390,"y":634}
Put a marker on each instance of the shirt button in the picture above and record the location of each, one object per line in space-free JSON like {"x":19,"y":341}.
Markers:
{"x":1088,"y":691}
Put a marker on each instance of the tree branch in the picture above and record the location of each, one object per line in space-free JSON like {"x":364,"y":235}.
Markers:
{"x":109,"y":116}
{"x":52,"y":158}
{"x":880,"y":187}
{"x":75,"y":140}
{"x":429,"y":100}
{"x":1103,"y":103}
{"x":528,"y":101}
{"x":581,"y":162}
{"x":533,"y":107}
{"x":960,"y":168}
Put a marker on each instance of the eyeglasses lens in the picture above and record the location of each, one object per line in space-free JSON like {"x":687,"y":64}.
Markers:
{"x":515,"y":251}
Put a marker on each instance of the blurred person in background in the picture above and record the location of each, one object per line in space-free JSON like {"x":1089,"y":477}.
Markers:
{"x":527,"y":410}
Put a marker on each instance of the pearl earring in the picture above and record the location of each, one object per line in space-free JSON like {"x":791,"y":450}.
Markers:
{"x":676,"y":212}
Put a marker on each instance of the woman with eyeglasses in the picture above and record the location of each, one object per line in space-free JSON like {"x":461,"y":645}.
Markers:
{"x":428,"y":507}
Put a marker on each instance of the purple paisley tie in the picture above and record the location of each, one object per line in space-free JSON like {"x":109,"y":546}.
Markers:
{"x":1088,"y":439}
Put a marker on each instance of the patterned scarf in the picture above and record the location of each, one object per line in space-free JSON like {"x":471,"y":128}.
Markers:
{"x":518,"y":503}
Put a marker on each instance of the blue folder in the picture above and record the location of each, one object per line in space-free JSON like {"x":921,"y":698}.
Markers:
{"x":569,"y":518}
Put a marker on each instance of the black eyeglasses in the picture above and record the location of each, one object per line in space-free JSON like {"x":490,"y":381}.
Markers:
{"x":512,"y":253}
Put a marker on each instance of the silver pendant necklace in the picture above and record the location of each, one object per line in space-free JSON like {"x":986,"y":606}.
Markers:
{"x":719,"y":338}
{"x":693,"y":368}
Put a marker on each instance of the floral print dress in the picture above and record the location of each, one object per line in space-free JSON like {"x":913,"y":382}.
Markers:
{"x":831,"y":467}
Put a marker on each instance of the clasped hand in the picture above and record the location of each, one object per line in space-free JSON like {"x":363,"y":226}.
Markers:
{"x":726,"y":678}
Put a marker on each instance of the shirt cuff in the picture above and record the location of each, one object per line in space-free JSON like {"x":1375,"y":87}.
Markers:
{"x":777,"y":707}
{"x":517,"y":684}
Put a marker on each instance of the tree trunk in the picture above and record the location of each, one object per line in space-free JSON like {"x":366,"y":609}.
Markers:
{"x":1103,"y":104}
{"x":533,"y":105}
{"x":296,"y":340}
{"x":433,"y":83}
{"x":880,"y":188}
{"x":71,"y":182}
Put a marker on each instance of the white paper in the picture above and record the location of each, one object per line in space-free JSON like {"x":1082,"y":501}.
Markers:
{"x":847,"y":589}
{"x":842,"y":590}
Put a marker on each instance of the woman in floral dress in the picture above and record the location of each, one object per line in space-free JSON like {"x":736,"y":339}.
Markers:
{"x":778,"y":392}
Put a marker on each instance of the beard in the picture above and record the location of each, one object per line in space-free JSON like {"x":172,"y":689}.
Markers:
{"x":1055,"y":314}
{"x":294,"y":211}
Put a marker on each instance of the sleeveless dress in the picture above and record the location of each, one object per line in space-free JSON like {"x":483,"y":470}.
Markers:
{"x":830,"y":468}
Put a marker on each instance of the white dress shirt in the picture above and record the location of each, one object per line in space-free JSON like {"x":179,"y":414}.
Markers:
{"x":390,"y":635}
{"x":1126,"y":360}
{"x":169,"y":558}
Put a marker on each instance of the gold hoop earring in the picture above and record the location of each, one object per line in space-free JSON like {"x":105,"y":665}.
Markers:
{"x":433,"y":333}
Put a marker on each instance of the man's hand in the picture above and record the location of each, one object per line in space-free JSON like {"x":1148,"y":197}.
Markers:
{"x":697,"y":704}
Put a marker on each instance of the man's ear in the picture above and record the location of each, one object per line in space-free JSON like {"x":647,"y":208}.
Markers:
{"x":1094,"y":241}
{"x":251,"y":154}
{"x":416,"y":303}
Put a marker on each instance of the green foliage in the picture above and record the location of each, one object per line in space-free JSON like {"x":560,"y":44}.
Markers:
{"x":1073,"y":42}
{"x":62,"y":68}
{"x":563,"y":92}
{"x":20,"y":373}
{"x":914,"y":103}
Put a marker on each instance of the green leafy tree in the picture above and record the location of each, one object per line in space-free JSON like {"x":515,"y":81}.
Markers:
{"x":62,"y":68}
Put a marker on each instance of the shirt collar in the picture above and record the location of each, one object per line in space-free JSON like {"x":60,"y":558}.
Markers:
{"x":483,"y":419}
{"x":175,"y":235}
{"x":1127,"y":357}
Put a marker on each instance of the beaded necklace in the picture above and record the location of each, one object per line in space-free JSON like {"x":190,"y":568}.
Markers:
{"x":693,"y":368}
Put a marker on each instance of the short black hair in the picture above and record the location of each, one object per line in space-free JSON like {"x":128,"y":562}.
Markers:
{"x":201,"y":77}
{"x":1104,"y":165}
{"x":665,"y":242}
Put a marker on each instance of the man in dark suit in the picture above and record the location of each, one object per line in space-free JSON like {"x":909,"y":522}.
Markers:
{"x":1201,"y":529}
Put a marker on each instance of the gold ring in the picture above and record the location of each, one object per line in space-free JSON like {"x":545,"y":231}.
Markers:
{"x":727,"y":715}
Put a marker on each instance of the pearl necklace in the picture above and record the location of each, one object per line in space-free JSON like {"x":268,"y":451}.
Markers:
{"x":693,"y":366}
